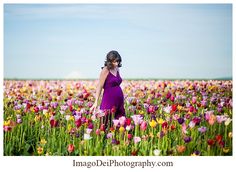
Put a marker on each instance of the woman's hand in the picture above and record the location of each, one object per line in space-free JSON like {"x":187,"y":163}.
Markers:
{"x":94,"y":107}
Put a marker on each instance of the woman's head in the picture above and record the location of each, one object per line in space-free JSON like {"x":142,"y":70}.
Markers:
{"x":113,"y":60}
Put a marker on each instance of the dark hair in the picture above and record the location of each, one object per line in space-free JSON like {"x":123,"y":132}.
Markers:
{"x":112,"y":56}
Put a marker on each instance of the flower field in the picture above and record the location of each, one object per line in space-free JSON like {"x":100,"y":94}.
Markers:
{"x":166,"y":118}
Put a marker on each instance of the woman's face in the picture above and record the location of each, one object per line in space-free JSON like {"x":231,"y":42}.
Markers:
{"x":115,"y":63}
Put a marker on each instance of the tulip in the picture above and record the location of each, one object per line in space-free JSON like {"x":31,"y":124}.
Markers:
{"x":102,"y":127}
{"x":70,"y":148}
{"x":53,"y":123}
{"x":226,"y":150}
{"x":109,"y":135}
{"x":78,"y":123}
{"x":164,"y":125}
{"x":227,"y":122}
{"x":121,"y":129}
{"x":156,"y":152}
{"x":194,"y":100}
{"x":115,"y":122}
{"x":181,"y":120}
{"x":122,"y":120}
{"x":43,"y":142}
{"x":97,"y":131}
{"x":219,"y":138}
{"x":153,"y":123}
{"x":143,"y":126}
{"x":40,"y":150}
{"x":137,"y":139}
{"x":128,"y":127}
{"x":210,"y":142}
{"x":151,"y":109}
{"x":187,"y":139}
{"x":202,"y":129}
{"x":130,"y":136}
{"x":212,"y":119}
{"x":128,"y":121}
{"x":87,"y":137}
{"x":180,"y":148}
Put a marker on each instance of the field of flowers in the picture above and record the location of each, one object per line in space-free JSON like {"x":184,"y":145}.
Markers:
{"x":167,"y":118}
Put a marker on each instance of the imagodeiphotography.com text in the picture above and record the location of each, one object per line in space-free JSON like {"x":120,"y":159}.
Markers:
{"x":122,"y":163}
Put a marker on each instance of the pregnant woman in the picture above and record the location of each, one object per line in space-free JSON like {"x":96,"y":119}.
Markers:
{"x":110,"y":80}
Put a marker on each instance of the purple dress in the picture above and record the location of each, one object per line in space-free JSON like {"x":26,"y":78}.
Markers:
{"x":113,"y":96}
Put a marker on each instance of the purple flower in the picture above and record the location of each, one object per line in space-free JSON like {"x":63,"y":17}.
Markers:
{"x":202,"y":129}
{"x":19,"y":120}
{"x":162,"y":134}
{"x":137,"y":119}
{"x":197,"y":152}
{"x":187,"y":139}
{"x":181,"y":120}
{"x":90,"y":125}
{"x":109,"y":135}
{"x":221,"y":118}
{"x":114,"y":141}
{"x":197,"y":120}
{"x":203,"y":103}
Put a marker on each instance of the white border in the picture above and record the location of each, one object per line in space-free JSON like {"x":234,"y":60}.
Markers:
{"x":65,"y":163}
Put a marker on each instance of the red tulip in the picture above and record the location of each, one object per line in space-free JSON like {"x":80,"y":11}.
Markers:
{"x":112,"y":129}
{"x":164,"y":125}
{"x":128,"y":121}
{"x":173,"y":107}
{"x":130,"y":136}
{"x":36,"y":109}
{"x":78,"y":123}
{"x":219,"y":138}
{"x":172,"y":127}
{"x":210,"y":142}
{"x":71,"y":148}
{"x":102,"y":127}
{"x":53,"y":123}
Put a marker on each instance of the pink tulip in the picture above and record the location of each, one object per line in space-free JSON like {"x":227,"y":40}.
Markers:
{"x":122,"y":120}
{"x":143,"y":125}
{"x":137,"y":139}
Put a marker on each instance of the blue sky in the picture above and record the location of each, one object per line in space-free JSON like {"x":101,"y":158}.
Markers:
{"x":154,"y":40}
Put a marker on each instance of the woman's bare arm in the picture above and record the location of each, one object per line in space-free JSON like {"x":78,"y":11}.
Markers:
{"x":102,"y":78}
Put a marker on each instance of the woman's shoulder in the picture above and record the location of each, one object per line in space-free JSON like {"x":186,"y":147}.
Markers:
{"x":105,"y":70}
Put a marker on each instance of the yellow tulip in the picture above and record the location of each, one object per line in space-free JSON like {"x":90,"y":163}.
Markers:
{"x":43,"y":142}
{"x":151,"y":135}
{"x":141,"y":112}
{"x":153,"y":123}
{"x":40,"y":150}
{"x":72,"y":118}
{"x":47,"y":115}
{"x":160,"y":121}
{"x":121,"y":129}
{"x":230,"y":135}
{"x":179,"y":107}
{"x":225,"y":150}
{"x":18,"y":111}
{"x":7,"y":123}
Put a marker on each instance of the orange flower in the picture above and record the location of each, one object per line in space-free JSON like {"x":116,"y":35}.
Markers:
{"x":181,"y":148}
{"x":212,"y":119}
